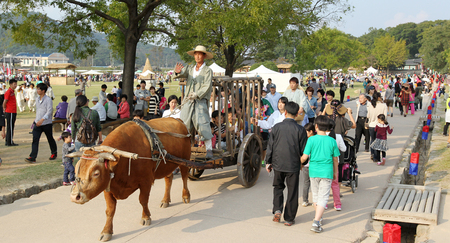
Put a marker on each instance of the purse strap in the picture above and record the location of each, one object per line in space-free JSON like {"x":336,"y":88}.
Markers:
{"x":315,"y":115}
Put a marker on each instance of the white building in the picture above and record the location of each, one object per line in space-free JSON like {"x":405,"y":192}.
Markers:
{"x":40,"y":59}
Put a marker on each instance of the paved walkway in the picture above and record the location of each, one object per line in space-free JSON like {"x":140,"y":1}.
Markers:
{"x":221,"y":210}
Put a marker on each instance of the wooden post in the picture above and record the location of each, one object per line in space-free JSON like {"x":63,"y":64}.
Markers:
{"x":249,"y":112}
{"x":228,"y":139}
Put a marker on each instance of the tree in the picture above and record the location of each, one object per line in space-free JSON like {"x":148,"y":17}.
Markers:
{"x":329,"y":49}
{"x":389,"y":53}
{"x":409,"y":33}
{"x":435,"y":42}
{"x":268,"y":64}
{"x":125,"y":22}
{"x":235,"y":30}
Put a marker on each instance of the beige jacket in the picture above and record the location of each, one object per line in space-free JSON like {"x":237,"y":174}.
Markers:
{"x":372,"y":113}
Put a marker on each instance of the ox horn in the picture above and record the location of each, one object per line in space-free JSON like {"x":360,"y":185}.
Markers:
{"x":113,"y":151}
{"x":106,"y":156}
{"x":75,"y":154}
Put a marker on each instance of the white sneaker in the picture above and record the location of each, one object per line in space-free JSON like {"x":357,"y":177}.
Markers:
{"x":306,"y":204}
{"x":338,"y":208}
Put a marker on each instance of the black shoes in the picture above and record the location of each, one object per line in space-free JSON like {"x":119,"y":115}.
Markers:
{"x":30,"y":160}
{"x":52,"y":157}
{"x":13,"y":144}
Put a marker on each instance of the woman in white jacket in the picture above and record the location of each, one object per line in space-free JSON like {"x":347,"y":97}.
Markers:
{"x":373,"y":110}
{"x":20,"y":98}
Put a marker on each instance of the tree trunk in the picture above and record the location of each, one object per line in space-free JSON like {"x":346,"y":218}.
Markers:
{"x":128,"y":69}
{"x":229,"y":53}
{"x":329,"y":78}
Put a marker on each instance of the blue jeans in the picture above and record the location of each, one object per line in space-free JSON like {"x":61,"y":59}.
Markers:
{"x":68,"y":170}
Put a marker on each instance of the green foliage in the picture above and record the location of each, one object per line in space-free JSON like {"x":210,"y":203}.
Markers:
{"x":435,"y":46}
{"x":329,"y":49}
{"x":235,"y":30}
{"x":268,"y":64}
{"x":409,"y":33}
{"x":390,"y":53}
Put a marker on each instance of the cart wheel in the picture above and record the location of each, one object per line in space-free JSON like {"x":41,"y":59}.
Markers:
{"x":356,"y":180}
{"x":249,"y":160}
{"x":353,"y":185}
{"x":194,"y":174}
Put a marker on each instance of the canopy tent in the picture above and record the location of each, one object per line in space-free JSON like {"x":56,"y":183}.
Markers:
{"x":118,"y":73}
{"x":146,"y":73}
{"x":138,"y":72}
{"x":91,"y":72}
{"x":281,"y":80}
{"x":217,"y":70}
{"x":69,"y":72}
{"x":262,"y":70}
{"x":371,"y":70}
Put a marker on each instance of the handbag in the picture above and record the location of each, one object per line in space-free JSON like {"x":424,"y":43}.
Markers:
{"x":315,"y":115}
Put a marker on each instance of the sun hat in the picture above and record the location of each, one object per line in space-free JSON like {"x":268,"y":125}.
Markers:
{"x":94,"y":98}
{"x":200,"y":48}
{"x":335,"y":106}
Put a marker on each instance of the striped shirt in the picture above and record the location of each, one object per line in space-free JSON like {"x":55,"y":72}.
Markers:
{"x":153,"y":104}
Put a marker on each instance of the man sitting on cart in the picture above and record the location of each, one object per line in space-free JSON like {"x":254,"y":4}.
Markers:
{"x":194,"y":111}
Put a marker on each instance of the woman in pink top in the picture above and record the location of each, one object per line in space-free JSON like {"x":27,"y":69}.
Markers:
{"x":380,"y":143}
{"x":124,"y":108}
{"x":412,"y":98}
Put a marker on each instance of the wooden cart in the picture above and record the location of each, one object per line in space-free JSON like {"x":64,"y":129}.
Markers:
{"x":244,"y":147}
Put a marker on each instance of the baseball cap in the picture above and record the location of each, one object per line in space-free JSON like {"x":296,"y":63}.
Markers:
{"x":94,"y":98}
{"x":272,"y":86}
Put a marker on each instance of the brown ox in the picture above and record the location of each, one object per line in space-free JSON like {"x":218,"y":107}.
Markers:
{"x":94,"y":168}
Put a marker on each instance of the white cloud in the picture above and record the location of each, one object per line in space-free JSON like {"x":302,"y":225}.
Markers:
{"x":401,"y":18}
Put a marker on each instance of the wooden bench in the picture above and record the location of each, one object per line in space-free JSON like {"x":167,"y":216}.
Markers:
{"x":109,"y":126}
{"x":59,"y":125}
{"x":409,"y":204}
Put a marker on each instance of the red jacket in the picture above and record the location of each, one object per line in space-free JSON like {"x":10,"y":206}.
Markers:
{"x":124,"y":110}
{"x":382,"y":130}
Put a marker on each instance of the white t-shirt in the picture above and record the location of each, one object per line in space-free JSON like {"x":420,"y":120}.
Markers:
{"x":196,"y":73}
{"x":176,"y":114}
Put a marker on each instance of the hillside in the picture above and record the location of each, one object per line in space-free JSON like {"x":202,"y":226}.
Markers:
{"x":158,"y":56}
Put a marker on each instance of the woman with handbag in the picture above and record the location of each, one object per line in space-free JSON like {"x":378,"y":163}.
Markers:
{"x":312,"y":104}
{"x":377,"y":108}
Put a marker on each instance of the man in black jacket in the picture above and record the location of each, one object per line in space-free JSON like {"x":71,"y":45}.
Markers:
{"x":284,"y":150}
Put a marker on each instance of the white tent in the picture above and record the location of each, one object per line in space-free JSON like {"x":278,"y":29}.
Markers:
{"x":69,"y":72}
{"x":281,"y":80}
{"x":217,"y":70}
{"x":147,"y":72}
{"x":91,"y":72}
{"x":262,"y":70}
{"x":371,"y":70}
{"x":118,"y":73}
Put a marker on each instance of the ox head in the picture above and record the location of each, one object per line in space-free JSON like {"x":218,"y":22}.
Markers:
{"x":94,"y":171}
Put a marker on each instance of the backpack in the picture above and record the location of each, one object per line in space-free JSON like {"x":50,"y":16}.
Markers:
{"x":87,"y":133}
{"x":344,"y":87}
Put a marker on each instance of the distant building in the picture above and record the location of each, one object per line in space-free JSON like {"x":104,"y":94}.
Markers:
{"x":284,"y":67}
{"x":40,"y":59}
{"x":412,"y":65}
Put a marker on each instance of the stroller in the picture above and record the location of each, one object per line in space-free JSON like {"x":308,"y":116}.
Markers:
{"x":348,"y":169}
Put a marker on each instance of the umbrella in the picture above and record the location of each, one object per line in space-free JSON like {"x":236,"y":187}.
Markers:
{"x":138,"y":71}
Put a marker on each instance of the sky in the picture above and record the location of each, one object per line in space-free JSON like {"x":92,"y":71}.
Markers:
{"x":377,"y":14}
{"x":390,"y":13}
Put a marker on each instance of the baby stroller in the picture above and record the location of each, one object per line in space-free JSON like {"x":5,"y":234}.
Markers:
{"x":348,"y":169}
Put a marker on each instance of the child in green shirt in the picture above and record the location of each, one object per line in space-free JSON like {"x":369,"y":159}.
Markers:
{"x":323,"y":154}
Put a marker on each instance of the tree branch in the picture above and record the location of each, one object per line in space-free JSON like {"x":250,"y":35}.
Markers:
{"x":145,"y":12}
{"x":119,"y":23}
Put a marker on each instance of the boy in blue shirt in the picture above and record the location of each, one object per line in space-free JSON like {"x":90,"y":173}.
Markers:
{"x":323,"y":154}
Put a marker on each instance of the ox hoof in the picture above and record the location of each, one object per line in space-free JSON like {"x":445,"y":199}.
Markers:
{"x":186,"y":200}
{"x":146,"y":222}
{"x":164,"y":205}
{"x":105,"y":237}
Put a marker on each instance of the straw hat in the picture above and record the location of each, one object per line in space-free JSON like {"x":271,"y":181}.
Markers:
{"x":341,"y":111}
{"x":200,"y":48}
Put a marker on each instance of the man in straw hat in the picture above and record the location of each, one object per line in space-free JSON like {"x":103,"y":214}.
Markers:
{"x":198,"y":89}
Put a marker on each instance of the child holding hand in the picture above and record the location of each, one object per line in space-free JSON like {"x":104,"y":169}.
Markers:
{"x":380,"y":143}
{"x":323,"y":153}
{"x":68,"y":147}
